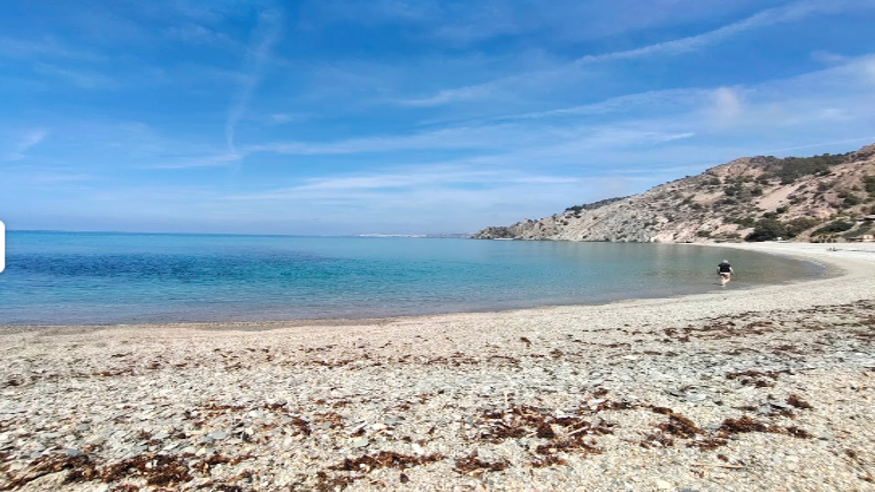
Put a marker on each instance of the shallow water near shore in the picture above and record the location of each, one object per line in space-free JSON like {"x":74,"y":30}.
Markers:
{"x":62,"y":278}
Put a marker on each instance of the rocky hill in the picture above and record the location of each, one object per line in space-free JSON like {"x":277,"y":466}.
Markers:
{"x":826,"y":197}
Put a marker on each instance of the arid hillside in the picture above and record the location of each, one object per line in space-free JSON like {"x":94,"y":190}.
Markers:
{"x":820,"y":198}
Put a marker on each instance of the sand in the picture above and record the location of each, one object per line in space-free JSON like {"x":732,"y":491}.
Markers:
{"x":760,"y":389}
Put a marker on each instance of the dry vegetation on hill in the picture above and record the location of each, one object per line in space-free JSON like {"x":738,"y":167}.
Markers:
{"x":820,"y":198}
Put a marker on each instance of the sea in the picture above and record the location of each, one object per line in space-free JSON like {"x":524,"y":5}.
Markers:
{"x":94,"y":278}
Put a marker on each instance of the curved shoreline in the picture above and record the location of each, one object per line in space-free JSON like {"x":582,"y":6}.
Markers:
{"x":756,"y":389}
{"x":836,"y":266}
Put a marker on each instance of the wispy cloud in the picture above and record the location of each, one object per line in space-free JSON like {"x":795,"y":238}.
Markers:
{"x":429,"y":177}
{"x":726,"y":107}
{"x":653,"y":101}
{"x":828,"y":58}
{"x":82,"y":78}
{"x":44,"y":48}
{"x":567,"y":135}
{"x":410,"y":178}
{"x":446,"y":198}
{"x":216,"y":160}
{"x":266,"y":33}
{"x":870,"y":70}
{"x":488,"y":138}
{"x":498,"y":139}
{"x":851,"y":141}
{"x":446,"y":138}
{"x":283,"y":118}
{"x":191,"y":32}
{"x":54,"y":177}
{"x":779,"y":15}
{"x":454,"y":95}
{"x":410,"y":112}
{"x":26,"y":142}
{"x":411,"y":188}
{"x":488,"y":20}
{"x":371,"y":12}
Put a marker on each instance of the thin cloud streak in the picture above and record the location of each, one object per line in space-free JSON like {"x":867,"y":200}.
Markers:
{"x":27,"y":142}
{"x":722,"y":102}
{"x":766,"y":18}
{"x":476,"y":137}
{"x":346,"y":114}
{"x":29,"y":49}
{"x":770,"y":17}
{"x":501,"y":138}
{"x":84,"y":79}
{"x":671,"y":98}
{"x":854,"y":141}
{"x":656,"y":117}
{"x":217,"y":160}
{"x":267,"y":32}
{"x":405,"y":181}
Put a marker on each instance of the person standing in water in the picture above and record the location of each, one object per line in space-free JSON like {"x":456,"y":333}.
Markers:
{"x":724,"y":269}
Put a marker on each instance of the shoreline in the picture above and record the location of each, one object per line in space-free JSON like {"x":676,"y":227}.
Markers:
{"x":752,"y":389}
{"x":831,"y":270}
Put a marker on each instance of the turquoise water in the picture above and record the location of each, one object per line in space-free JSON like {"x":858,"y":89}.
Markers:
{"x":95,"y":278}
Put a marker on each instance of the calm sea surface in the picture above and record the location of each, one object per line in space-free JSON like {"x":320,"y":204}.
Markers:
{"x":95,"y":278}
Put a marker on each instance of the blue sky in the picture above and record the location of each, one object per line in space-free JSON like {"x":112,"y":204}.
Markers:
{"x":403,"y":116}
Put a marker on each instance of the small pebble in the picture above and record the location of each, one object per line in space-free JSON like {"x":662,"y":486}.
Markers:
{"x":219,"y":435}
{"x":360,"y":442}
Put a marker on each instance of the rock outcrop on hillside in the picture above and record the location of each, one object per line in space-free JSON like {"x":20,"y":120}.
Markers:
{"x":757,"y":198}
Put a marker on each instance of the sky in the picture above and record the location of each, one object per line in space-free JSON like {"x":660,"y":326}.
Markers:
{"x":335,"y":117}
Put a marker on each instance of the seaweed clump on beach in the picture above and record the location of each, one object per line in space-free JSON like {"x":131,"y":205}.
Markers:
{"x":385,"y":459}
{"x":472,"y":465}
{"x":548,"y":460}
{"x":742,"y":425}
{"x":345,"y":473}
{"x":566,"y":444}
{"x":798,"y":402}
{"x":559,"y":434}
{"x":522,"y":421}
{"x":759,"y":379}
{"x":677,"y":426}
{"x":747,"y":424}
{"x":53,"y":464}
{"x":708,"y":443}
{"x":160,"y":470}
{"x":330,"y":483}
{"x":680,"y":426}
{"x":516,"y":422}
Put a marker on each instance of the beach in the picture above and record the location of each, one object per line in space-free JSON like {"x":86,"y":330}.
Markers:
{"x":743,"y":389}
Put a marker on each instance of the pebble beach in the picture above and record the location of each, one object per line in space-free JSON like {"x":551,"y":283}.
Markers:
{"x":768,"y":389}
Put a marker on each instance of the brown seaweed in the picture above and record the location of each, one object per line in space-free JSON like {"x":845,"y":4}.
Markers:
{"x":385,"y":459}
{"x":472,"y":465}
